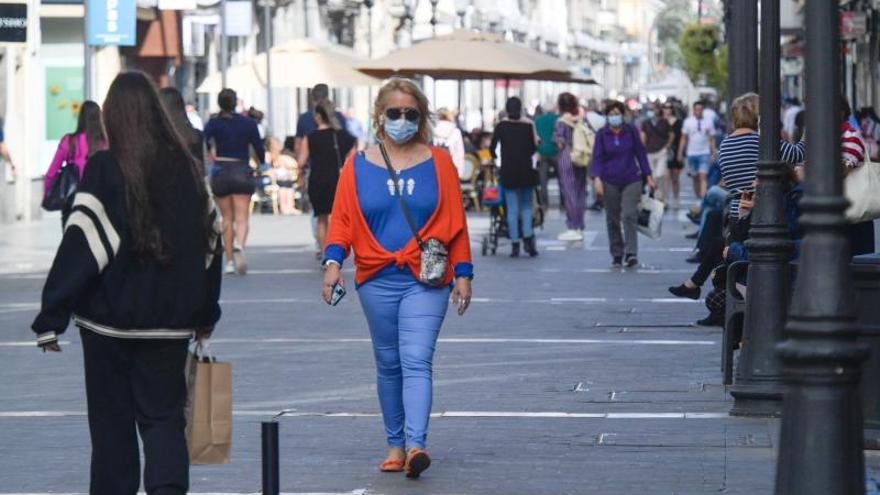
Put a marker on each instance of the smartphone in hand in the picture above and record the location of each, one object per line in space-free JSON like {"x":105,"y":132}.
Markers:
{"x":337,"y":294}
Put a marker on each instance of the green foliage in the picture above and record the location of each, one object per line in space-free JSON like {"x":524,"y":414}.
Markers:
{"x":704,"y":60}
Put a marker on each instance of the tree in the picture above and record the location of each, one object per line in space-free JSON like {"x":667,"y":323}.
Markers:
{"x":704,"y":60}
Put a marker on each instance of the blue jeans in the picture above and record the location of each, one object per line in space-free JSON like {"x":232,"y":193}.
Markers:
{"x":519,"y":206}
{"x":714,"y":200}
{"x":404,"y":318}
{"x":699,"y":164}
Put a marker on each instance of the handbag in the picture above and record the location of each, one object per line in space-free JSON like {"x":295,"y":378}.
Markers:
{"x":862,"y":186}
{"x":434,"y":255}
{"x":208,"y":407}
{"x":491,"y":193}
{"x":650,"y":220}
{"x":60,"y":194}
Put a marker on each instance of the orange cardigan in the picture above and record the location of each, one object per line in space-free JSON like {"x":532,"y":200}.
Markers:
{"x":448,"y":224}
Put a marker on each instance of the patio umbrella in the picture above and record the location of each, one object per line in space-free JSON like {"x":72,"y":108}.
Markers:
{"x":295,"y":64}
{"x":471,"y":55}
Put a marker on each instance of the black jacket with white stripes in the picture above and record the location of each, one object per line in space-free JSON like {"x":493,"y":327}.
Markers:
{"x":99,"y":279}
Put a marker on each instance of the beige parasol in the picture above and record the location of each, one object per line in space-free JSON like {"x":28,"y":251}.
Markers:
{"x":471,"y":55}
{"x":295,"y":64}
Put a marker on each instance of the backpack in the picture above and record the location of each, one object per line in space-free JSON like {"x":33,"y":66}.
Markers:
{"x":582,"y":140}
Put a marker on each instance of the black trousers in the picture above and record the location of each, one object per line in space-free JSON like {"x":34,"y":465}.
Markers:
{"x":136,"y":386}
{"x":710,"y":257}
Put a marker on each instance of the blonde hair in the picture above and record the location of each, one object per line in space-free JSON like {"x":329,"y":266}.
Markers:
{"x":744,"y":111}
{"x":446,"y":114}
{"x":405,"y":86}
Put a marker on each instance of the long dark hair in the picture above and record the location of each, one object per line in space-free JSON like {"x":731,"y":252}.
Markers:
{"x":90,"y":123}
{"x":176,"y":108}
{"x":150,"y":154}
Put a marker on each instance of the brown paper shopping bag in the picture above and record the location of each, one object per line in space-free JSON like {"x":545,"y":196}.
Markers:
{"x":209,"y":408}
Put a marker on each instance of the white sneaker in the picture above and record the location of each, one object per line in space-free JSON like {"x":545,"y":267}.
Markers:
{"x":230,"y":267}
{"x":571,"y":235}
{"x":240,"y":262}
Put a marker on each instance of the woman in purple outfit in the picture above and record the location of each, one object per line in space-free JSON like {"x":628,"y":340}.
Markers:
{"x":620,"y":168}
{"x":572,"y":179}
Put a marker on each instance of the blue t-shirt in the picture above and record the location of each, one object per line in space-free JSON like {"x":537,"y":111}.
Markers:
{"x":232,"y":136}
{"x":380,"y":205}
{"x":305,"y":124}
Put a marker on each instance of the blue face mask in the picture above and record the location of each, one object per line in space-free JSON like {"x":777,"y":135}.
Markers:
{"x":650,"y":114}
{"x":401,"y":130}
{"x":615,"y":120}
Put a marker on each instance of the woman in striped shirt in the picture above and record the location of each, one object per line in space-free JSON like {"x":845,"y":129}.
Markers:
{"x":738,"y":160}
{"x":853,"y":154}
{"x":738,"y":154}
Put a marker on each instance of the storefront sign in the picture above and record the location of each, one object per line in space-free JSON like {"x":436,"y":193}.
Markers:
{"x":13,"y":22}
{"x":111,"y":22}
{"x":853,"y":25}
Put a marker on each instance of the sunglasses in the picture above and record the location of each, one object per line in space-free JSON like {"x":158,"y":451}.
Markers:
{"x":410,"y":114}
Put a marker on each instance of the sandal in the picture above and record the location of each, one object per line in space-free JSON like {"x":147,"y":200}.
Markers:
{"x":417,"y":461}
{"x":391,"y":466}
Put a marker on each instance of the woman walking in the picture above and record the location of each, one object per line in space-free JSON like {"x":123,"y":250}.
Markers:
{"x":572,"y":179}
{"x":674,"y":166}
{"x":620,"y":168}
{"x":231,"y":137}
{"x":326,"y":149}
{"x":380,"y":201}
{"x":192,"y":137}
{"x":518,"y":140}
{"x":76,"y":149}
{"x":139,"y":270}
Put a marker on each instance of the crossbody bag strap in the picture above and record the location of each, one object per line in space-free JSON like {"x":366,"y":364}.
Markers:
{"x":403,"y":206}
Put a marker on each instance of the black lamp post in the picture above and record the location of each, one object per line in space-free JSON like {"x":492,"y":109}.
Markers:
{"x":757,"y":389}
{"x":369,"y":5}
{"x":820,"y":450}
{"x":743,"y":46}
{"x":434,"y":17}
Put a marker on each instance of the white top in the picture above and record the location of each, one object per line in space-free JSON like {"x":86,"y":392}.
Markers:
{"x":448,"y":134}
{"x":788,"y":118}
{"x":698,"y":132}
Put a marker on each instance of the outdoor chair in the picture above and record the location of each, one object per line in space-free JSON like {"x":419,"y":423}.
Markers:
{"x":734,"y":315}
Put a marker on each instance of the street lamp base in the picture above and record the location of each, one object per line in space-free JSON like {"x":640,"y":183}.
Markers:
{"x":756,"y":400}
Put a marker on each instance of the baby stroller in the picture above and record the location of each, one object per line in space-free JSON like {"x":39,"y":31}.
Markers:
{"x":493,"y":200}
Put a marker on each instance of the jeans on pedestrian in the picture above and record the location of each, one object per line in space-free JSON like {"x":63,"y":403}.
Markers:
{"x":519,"y":210}
{"x":404,"y":317}
{"x":133,"y":386}
{"x":625,"y":200}
{"x":713,"y":201}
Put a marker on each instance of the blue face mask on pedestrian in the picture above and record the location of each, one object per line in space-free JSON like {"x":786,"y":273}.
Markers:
{"x":615,"y":120}
{"x":401,"y":130}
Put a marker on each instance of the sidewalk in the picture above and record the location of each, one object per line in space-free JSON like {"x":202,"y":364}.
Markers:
{"x":566,"y":377}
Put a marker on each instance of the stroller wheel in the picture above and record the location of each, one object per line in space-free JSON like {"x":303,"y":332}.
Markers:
{"x":485,"y":247}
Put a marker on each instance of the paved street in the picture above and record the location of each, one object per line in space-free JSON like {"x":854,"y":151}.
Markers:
{"x":565,"y":377}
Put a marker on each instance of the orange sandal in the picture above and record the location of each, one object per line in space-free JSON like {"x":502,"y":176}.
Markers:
{"x":417,"y":461}
{"x":391,"y":466}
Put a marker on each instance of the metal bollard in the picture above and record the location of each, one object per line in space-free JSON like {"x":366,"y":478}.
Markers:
{"x":271,"y":478}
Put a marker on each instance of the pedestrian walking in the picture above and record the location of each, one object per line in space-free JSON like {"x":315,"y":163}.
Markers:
{"x":447,"y":135}
{"x":139,"y":269}
{"x":620,"y":168}
{"x":517,"y":139}
{"x":572,"y":178}
{"x":194,"y":139}
{"x":698,"y":144}
{"x":285,"y":173}
{"x":231,"y":137}
{"x":327,"y":147}
{"x":854,"y":153}
{"x":673,"y":164}
{"x":403,"y":284}
{"x":76,"y":148}
{"x":545,"y":123}
{"x":657,"y":137}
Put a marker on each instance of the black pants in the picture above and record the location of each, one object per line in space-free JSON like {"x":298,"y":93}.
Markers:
{"x":136,"y":384}
{"x":710,"y":257}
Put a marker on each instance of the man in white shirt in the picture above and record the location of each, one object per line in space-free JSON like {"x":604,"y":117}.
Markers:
{"x":788,"y":118}
{"x":698,"y":139}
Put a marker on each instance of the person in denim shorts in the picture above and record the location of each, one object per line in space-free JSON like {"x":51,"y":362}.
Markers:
{"x":697,"y":141}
